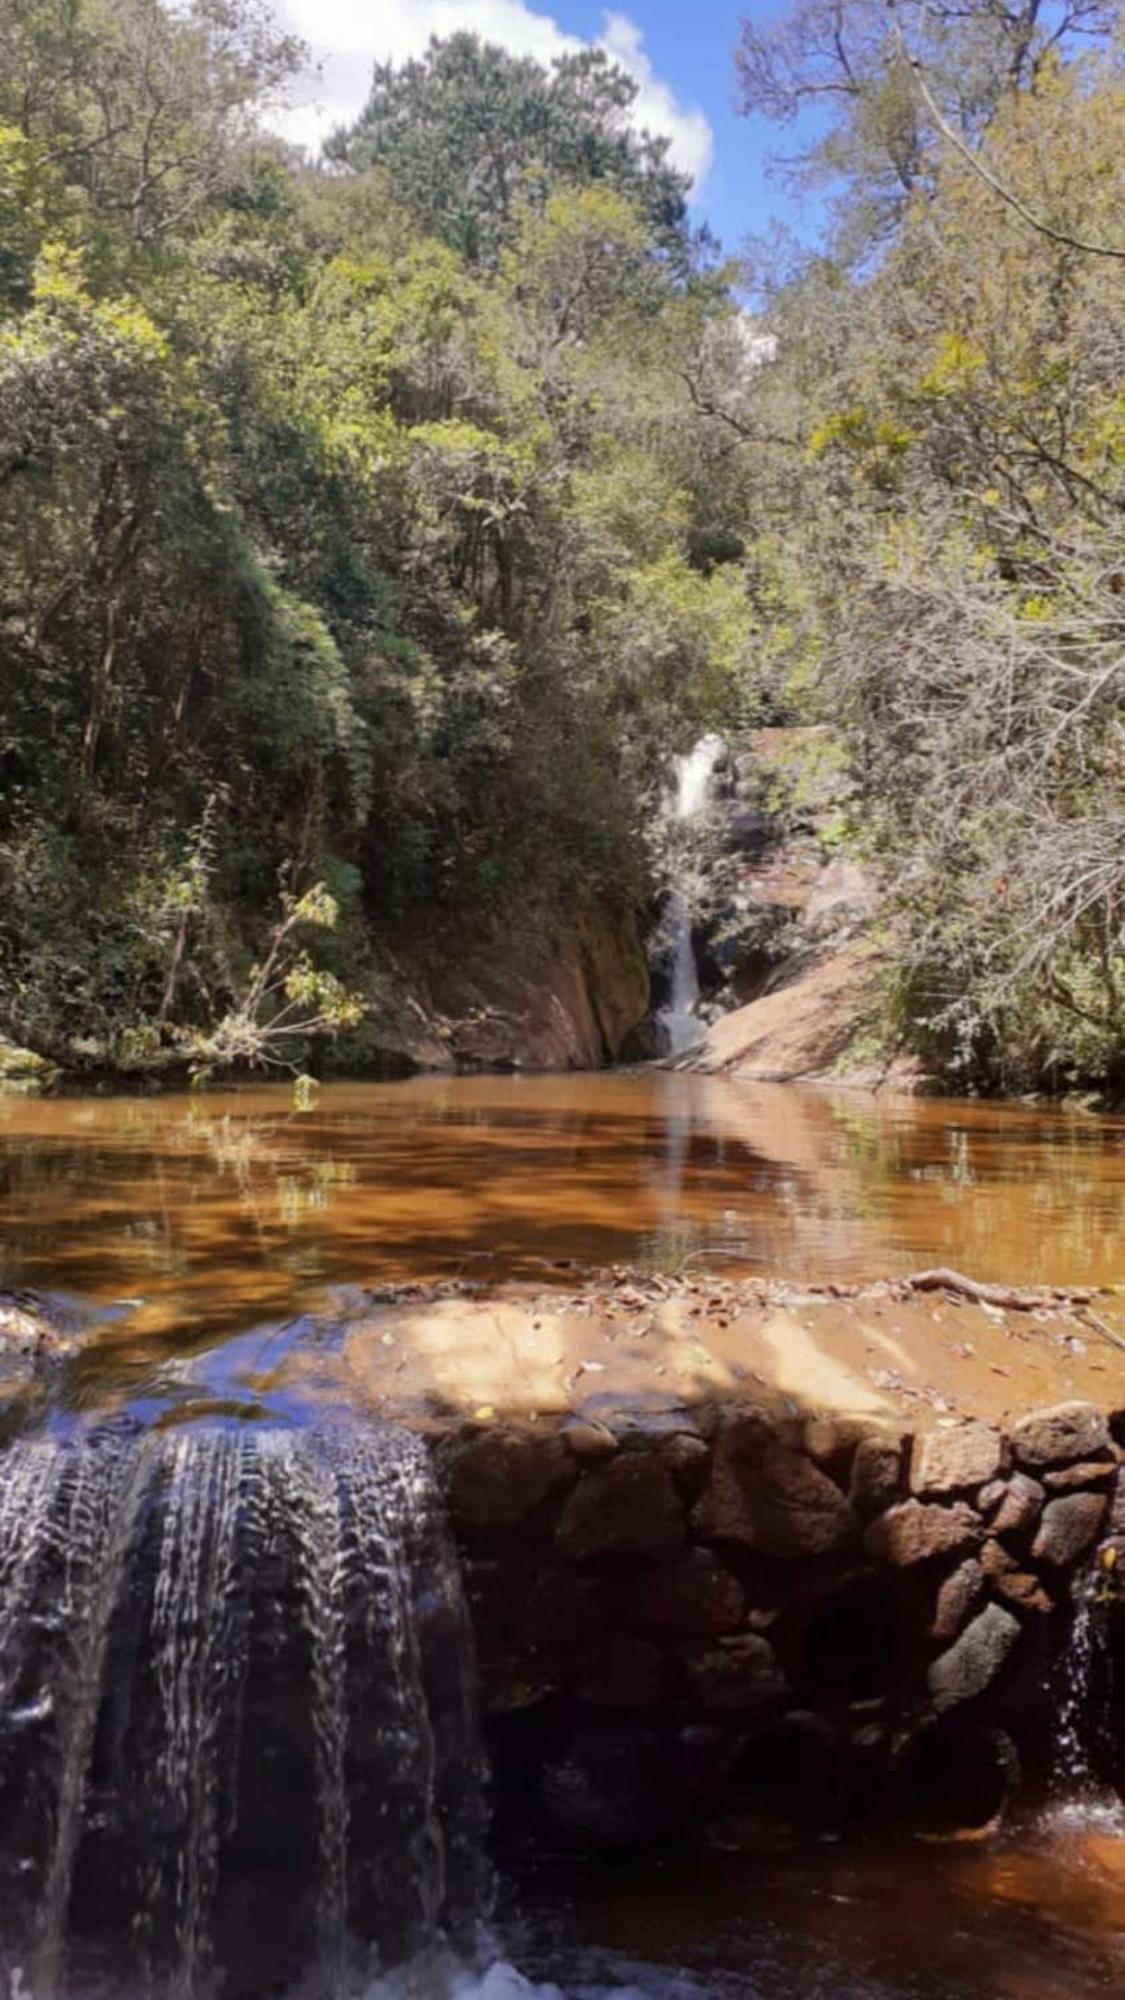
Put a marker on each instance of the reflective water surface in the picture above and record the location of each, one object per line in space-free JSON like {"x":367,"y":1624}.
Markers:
{"x":1037,"y":1916}
{"x":195,"y":1218}
{"x":191,"y":1220}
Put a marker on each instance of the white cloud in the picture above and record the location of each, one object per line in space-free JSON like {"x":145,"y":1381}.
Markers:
{"x":348,"y":36}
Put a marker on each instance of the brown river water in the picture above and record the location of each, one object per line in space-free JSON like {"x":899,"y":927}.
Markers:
{"x":190,"y":1220}
{"x":198,"y":1217}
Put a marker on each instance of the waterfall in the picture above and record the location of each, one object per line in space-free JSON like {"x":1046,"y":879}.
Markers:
{"x":238,"y":1740}
{"x":1083,"y":1731}
{"x":692,"y":776}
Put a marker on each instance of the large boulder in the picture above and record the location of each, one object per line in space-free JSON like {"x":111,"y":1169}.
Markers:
{"x":957,"y":1597}
{"x":629,"y":1508}
{"x":765,"y":1494}
{"x":1060,"y":1435}
{"x":955,"y":1461}
{"x":1069,"y":1527}
{"x":495,"y":1479}
{"x":913,"y":1533}
{"x":972,"y":1663}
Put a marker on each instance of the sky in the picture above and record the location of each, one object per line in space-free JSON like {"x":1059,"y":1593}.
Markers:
{"x":681,"y":55}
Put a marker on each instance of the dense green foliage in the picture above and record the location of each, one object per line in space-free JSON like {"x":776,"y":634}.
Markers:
{"x":370,"y":533}
{"x":469,"y":136}
{"x":954,"y":584}
{"x":331,"y":551}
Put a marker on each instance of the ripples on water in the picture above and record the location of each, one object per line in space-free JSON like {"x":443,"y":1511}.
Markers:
{"x":192,"y":1220}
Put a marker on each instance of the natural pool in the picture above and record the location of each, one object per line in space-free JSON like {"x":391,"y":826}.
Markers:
{"x":187,"y":1221}
{"x":195,"y":1218}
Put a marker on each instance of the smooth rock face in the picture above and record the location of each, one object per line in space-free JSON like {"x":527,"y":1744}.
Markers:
{"x":958,"y":1596}
{"x":913,"y":1533}
{"x":778,"y":1502}
{"x":1069,"y":1527}
{"x":974,"y":1660}
{"x":629,"y":1508}
{"x":953,"y":1461}
{"x":1058,"y":1436}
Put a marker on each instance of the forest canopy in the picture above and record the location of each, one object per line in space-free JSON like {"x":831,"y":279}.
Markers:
{"x":347,"y":541}
{"x":373,"y":528}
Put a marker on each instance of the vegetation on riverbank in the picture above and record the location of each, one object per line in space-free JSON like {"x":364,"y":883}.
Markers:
{"x":370,"y":533}
{"x":346,"y":552}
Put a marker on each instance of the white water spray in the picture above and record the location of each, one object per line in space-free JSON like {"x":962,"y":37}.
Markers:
{"x":1082,"y":1727}
{"x":692,"y":777}
{"x":186,"y":1618}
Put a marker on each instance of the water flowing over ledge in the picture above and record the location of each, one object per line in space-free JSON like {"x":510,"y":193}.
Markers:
{"x":239,"y":1721}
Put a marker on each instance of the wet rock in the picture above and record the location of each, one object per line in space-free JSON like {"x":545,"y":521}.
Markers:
{"x":972,"y":1663}
{"x":1012,"y":1506}
{"x":957,"y":1597}
{"x":913,"y":1533}
{"x":629,"y":1508}
{"x":877,"y":1472}
{"x":1060,"y":1435}
{"x":776,"y":1501}
{"x":953,"y":1461}
{"x":1069,"y":1527}
{"x":618,"y":1670}
{"x":738,"y":1675}
{"x":497,"y":1478}
{"x":694,"y":1597}
{"x":1019,"y":1588}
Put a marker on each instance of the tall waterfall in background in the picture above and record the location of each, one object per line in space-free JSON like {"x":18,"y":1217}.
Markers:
{"x":692,"y":775}
{"x":238,"y":1744}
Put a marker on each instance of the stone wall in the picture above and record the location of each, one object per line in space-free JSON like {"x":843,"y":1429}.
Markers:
{"x":745,"y":1616}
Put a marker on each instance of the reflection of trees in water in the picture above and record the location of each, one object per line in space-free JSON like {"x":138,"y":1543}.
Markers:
{"x":126,"y":1185}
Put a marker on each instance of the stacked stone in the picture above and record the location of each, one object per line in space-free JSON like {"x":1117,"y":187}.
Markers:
{"x":721,"y":1570}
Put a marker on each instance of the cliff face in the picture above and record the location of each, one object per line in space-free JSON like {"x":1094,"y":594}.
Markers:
{"x":788,"y":964}
{"x":541,"y":992}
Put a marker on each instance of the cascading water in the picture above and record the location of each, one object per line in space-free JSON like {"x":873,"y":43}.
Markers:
{"x":692,"y":776}
{"x":238,"y":1743}
{"x":1083,"y":1728}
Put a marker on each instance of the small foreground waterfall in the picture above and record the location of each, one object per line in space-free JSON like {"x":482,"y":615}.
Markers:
{"x":238,"y":1745}
{"x":1083,"y":1728}
{"x":692,"y":777}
